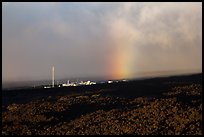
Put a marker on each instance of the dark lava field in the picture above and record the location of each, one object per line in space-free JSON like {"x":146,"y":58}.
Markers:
{"x":156,"y":106}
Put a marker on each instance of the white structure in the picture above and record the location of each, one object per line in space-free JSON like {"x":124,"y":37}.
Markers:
{"x":53,"y":76}
{"x":87,"y":83}
{"x":68,"y":84}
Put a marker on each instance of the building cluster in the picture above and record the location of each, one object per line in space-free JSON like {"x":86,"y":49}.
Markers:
{"x":78,"y":84}
{"x":72,"y":84}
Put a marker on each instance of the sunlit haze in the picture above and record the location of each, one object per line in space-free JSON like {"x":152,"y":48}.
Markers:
{"x":109,"y":40}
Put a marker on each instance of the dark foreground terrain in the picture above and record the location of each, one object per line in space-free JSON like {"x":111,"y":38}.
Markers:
{"x":159,"y":106}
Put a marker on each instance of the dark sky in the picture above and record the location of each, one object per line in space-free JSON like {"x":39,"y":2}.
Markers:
{"x":113,"y":40}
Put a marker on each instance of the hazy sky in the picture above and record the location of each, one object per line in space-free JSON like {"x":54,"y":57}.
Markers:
{"x":115,"y":40}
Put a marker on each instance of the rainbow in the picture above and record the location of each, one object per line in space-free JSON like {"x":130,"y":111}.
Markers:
{"x":122,"y":41}
{"x":120,"y":64}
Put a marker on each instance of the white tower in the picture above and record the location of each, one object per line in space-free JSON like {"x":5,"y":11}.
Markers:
{"x":53,"y":76}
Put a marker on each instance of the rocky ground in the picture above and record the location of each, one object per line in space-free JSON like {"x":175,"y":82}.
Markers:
{"x":177,"y":111}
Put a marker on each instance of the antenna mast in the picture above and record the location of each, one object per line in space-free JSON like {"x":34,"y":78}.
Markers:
{"x":53,"y":76}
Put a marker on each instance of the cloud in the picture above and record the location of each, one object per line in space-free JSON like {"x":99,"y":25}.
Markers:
{"x":99,"y":39}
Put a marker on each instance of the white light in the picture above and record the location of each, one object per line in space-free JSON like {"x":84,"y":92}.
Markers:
{"x":110,"y":81}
